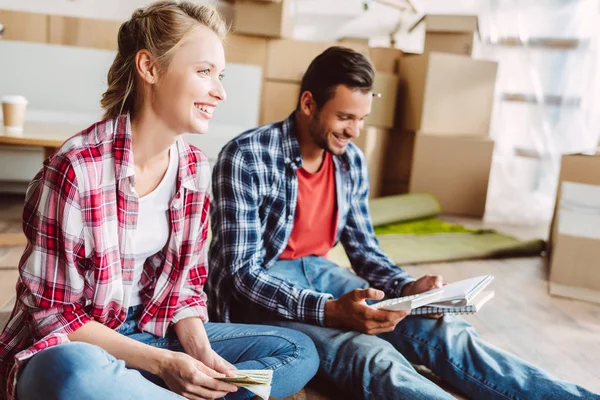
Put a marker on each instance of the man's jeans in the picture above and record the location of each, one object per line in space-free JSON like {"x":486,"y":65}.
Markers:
{"x":379,"y":367}
{"x":84,"y":371}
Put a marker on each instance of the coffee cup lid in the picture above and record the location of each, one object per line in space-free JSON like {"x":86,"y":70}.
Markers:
{"x":14,"y":99}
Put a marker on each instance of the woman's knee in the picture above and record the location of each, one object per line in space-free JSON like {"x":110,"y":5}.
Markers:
{"x":299,"y":346}
{"x":62,"y":369}
{"x":299,"y":361}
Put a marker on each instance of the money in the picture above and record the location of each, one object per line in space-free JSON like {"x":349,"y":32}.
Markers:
{"x":250,"y":377}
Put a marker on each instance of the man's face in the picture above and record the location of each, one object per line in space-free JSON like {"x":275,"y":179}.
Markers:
{"x":340,"y":119}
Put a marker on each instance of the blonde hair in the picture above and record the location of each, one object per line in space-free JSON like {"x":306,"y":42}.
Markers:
{"x":158,"y":28}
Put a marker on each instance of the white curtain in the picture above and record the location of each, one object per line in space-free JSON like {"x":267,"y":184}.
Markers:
{"x":546,"y":99}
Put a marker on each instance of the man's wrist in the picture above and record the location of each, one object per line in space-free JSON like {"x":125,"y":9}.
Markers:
{"x":405,"y":289}
{"x":331,"y":312}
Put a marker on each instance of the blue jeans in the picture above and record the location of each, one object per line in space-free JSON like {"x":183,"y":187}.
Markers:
{"x":83,"y":371}
{"x":379,"y":367}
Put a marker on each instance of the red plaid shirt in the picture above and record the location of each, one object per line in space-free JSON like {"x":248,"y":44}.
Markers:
{"x":79,"y":218}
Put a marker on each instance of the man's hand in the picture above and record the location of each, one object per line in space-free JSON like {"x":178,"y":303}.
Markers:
{"x":423,"y":284}
{"x":192,"y":379}
{"x":351,"y":311}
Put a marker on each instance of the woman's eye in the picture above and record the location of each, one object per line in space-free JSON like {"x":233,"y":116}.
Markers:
{"x":221,"y":76}
{"x":204,"y":72}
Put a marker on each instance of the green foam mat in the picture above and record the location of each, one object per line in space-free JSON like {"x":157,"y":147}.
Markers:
{"x":409,"y":233}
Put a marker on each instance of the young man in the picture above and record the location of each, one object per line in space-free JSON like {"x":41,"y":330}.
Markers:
{"x":284,"y":194}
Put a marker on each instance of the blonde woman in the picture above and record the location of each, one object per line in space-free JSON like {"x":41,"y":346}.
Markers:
{"x":110,"y":296}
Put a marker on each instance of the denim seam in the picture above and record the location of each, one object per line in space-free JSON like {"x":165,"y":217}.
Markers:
{"x":283,"y":362}
{"x":306,"y":275}
{"x":474,"y":379}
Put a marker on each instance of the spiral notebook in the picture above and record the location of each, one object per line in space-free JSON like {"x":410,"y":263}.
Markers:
{"x":474,"y":305}
{"x":460,"y":297}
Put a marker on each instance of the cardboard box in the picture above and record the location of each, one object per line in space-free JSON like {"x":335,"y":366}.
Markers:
{"x":575,"y":233}
{"x":279,"y":99}
{"x":392,"y":187}
{"x":352,"y":41}
{"x":455,"y":170}
{"x":399,"y":156}
{"x":374,"y":143}
{"x":263,"y":18}
{"x":449,"y":33}
{"x":287,"y":60}
{"x":456,"y":43}
{"x":383,"y":109}
{"x":385,"y":59}
{"x":24,"y":26}
{"x":242,"y":49}
{"x":84,"y":32}
{"x":447,"y":94}
{"x":358,"y":44}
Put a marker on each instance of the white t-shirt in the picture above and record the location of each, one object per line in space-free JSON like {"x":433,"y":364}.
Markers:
{"x":153,"y":228}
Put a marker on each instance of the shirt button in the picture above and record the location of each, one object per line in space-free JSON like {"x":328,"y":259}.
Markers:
{"x":290,"y":216}
{"x":177,"y":204}
{"x":287,"y":160}
{"x":395,"y":283}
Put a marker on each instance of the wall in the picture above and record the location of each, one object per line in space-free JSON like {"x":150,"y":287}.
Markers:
{"x":64,"y":85}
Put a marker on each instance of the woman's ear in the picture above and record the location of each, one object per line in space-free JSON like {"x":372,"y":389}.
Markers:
{"x":146,"y":67}
{"x":307,"y":103}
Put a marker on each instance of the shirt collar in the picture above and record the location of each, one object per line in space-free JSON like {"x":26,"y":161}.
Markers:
{"x":291,"y":148}
{"x":123,"y":154}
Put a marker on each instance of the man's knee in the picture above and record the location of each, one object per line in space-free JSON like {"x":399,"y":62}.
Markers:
{"x":445,"y":334}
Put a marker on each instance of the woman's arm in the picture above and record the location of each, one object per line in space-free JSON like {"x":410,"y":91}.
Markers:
{"x":135,"y":354}
{"x":182,"y":373}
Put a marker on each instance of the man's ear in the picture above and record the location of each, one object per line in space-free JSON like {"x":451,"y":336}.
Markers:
{"x":146,"y":67}
{"x":308,"y":106}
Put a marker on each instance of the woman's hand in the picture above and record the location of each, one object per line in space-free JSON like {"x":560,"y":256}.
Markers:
{"x":214,"y":361}
{"x":193,"y":379}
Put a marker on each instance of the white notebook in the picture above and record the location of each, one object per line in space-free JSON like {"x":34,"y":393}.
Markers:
{"x":460,"y":293}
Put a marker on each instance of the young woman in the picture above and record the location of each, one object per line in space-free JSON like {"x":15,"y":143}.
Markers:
{"x":110,"y":300}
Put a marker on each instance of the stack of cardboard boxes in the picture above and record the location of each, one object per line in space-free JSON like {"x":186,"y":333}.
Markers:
{"x":379,"y":125}
{"x":429,"y":124}
{"x":442,"y":145}
{"x":285,"y":60}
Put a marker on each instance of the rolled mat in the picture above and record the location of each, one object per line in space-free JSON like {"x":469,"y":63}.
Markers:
{"x":409,"y":233}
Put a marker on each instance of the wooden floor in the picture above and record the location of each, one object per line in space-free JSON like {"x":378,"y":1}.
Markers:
{"x":559,"y":335}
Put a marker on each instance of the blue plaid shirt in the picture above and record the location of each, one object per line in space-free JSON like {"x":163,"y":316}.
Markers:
{"x":255,"y":191}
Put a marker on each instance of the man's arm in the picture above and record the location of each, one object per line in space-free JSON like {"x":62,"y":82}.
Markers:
{"x":236,"y":225}
{"x":361,"y":245}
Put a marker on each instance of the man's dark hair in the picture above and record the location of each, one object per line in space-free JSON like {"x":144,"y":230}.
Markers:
{"x":336,"y":66}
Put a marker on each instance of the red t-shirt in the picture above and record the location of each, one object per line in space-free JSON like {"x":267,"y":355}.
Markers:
{"x":315,"y":221}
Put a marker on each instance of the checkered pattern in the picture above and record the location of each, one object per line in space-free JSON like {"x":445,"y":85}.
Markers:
{"x":79,"y":218}
{"x":255,"y":193}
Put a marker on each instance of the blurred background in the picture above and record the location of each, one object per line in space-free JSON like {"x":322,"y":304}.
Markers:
{"x":544,"y":98}
{"x":490,"y":107}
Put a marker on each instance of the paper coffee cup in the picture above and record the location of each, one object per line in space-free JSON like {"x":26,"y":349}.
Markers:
{"x":13,"y":111}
